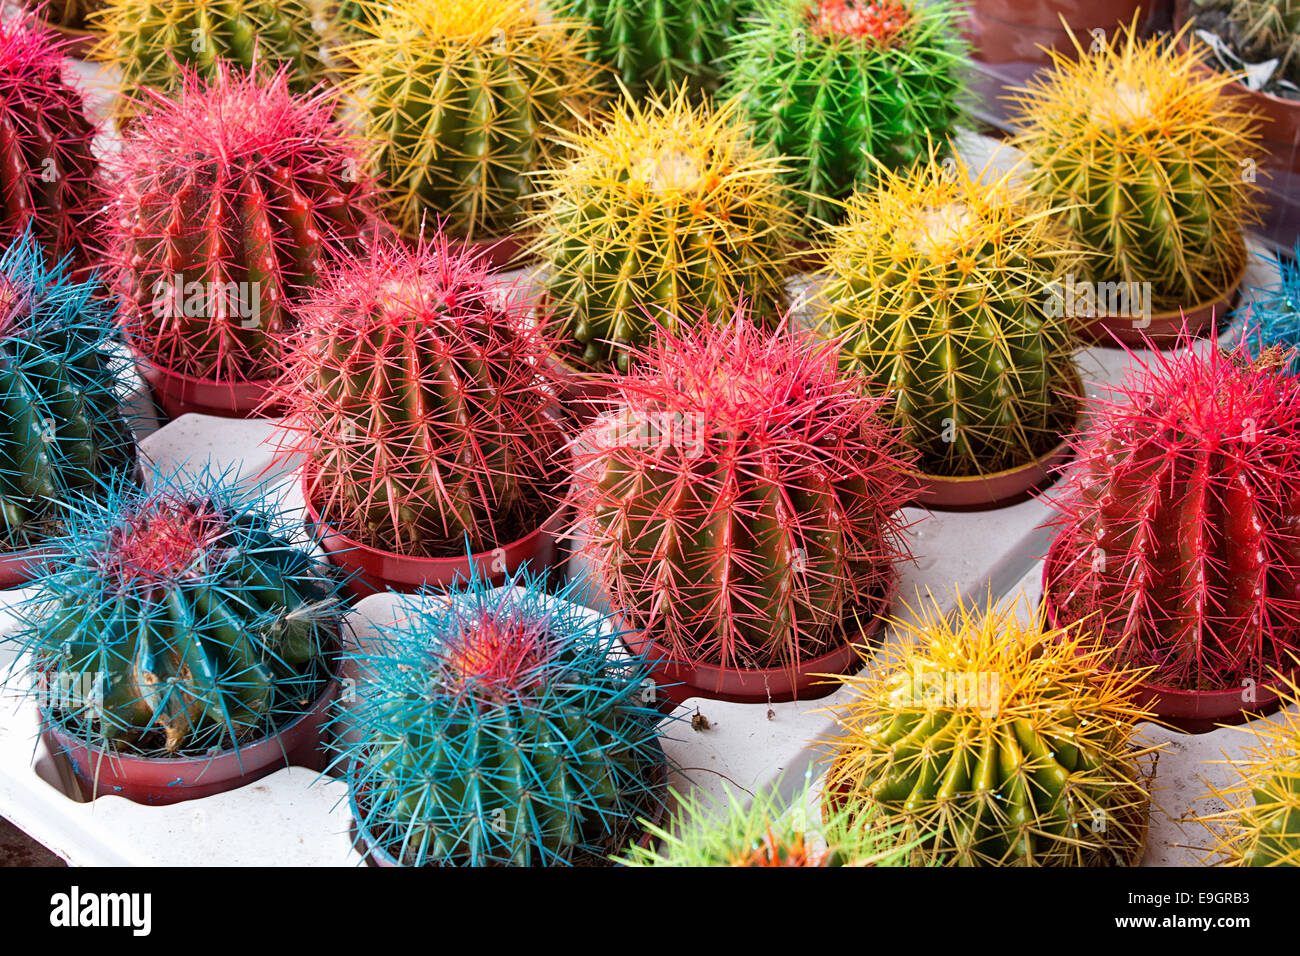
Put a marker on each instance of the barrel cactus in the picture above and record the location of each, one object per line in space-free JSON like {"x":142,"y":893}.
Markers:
{"x":982,"y":740}
{"x":229,"y":199}
{"x":463,"y":99}
{"x":1177,"y":537}
{"x":841,"y":88}
{"x":655,"y":46}
{"x":48,"y":173}
{"x":63,"y":436}
{"x":1270,"y":320}
{"x":741,"y":496}
{"x":156,"y":44}
{"x":1152,"y":161}
{"x":941,"y":290}
{"x":180,"y":619}
{"x":664,"y":211}
{"x":418,"y":393}
{"x":502,"y":727}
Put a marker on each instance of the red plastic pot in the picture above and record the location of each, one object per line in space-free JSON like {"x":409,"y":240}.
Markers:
{"x":18,"y":568}
{"x":181,"y":394}
{"x":1165,"y":328}
{"x":584,"y":394}
{"x":678,"y":681}
{"x":159,"y":781}
{"x":1011,"y":31}
{"x":1191,"y":711}
{"x":372,"y":570}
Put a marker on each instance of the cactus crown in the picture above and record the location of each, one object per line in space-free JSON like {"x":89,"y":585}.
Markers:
{"x":742,"y":495}
{"x":502,"y":727}
{"x":1179,"y":529}
{"x":181,"y":618}
{"x":1146,"y":152}
{"x":986,"y":740}
{"x":939,"y":291}
{"x":880,"y":23}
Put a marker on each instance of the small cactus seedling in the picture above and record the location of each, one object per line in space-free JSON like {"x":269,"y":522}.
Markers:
{"x":463,"y":99}
{"x":155,"y":45}
{"x":760,"y":833}
{"x":502,"y":727}
{"x":180,"y":619}
{"x":667,"y":209}
{"x":1271,"y":319}
{"x":417,"y":391}
{"x":1152,"y":162}
{"x":1179,"y":531}
{"x":843,"y":87}
{"x":48,"y":172}
{"x":62,"y":432}
{"x":742,"y":496}
{"x":985,"y":741}
{"x":1261,"y":823}
{"x":654,"y":46}
{"x":229,"y":201}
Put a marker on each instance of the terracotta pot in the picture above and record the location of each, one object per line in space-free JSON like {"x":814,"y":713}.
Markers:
{"x":1012,"y":31}
{"x":18,"y":568}
{"x":375,"y":855}
{"x":1191,"y":711}
{"x":1165,"y":328}
{"x":676,"y":682}
{"x":372,"y":570}
{"x":159,"y":781}
{"x":980,"y":492}
{"x":182,"y":394}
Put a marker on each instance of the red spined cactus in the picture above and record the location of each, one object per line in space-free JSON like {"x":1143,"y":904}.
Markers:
{"x":1181,"y":529}
{"x":48,"y":174}
{"x":742,"y":496}
{"x":230,"y":201}
{"x":419,"y":392}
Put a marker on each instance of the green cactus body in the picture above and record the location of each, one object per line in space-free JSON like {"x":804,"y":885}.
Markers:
{"x":836,"y":88}
{"x":657,"y":45}
{"x":1273,"y":822}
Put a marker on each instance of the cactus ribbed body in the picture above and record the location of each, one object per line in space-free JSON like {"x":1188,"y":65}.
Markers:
{"x":663,"y":212}
{"x":1151,"y":162}
{"x":62,"y":432}
{"x":988,"y":742}
{"x":499,"y":728}
{"x":837,"y":87}
{"x":940,"y":289}
{"x":47,"y":169}
{"x":1180,"y":529}
{"x":462,"y":103}
{"x":231,"y":200}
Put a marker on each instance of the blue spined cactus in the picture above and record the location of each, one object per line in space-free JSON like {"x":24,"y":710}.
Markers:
{"x":178,"y":619}
{"x":1272,"y":319}
{"x":62,"y":431}
{"x":502,"y":727}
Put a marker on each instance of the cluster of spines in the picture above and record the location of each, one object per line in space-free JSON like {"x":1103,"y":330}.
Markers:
{"x":502,"y":727}
{"x":422,"y":399}
{"x":742,"y":495}
{"x":1270,"y":319}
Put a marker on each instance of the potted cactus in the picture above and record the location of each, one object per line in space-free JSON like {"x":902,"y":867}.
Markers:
{"x":760,"y":831}
{"x":655,"y":46}
{"x":49,"y":182}
{"x":1152,"y":162}
{"x":462,"y":100}
{"x":740,"y":501}
{"x":158,"y":46}
{"x":986,"y":740}
{"x":840,"y":87}
{"x":228,"y":202}
{"x":1260,"y":822}
{"x":1271,"y":319}
{"x":182,"y":641}
{"x":501,"y":727}
{"x":63,"y":435}
{"x":664,"y":212}
{"x":418,"y":392}
{"x":1176,"y":539}
{"x":943,"y":288}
